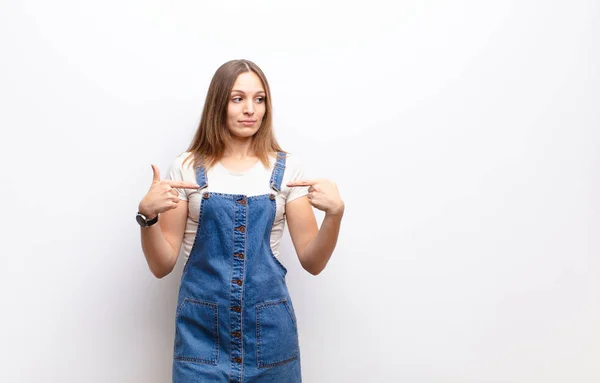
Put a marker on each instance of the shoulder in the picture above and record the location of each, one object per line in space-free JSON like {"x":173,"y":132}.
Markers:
{"x":294,"y":170}
{"x":292,"y":161}
{"x":294,"y":167}
{"x":181,"y":169}
{"x":178,"y":162}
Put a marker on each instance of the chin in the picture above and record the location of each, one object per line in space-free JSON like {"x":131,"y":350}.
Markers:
{"x":244,"y":133}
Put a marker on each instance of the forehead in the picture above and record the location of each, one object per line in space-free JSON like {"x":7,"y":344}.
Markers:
{"x":248,"y":82}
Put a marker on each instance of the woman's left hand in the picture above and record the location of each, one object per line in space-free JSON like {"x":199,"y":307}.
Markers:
{"x":323,"y":194}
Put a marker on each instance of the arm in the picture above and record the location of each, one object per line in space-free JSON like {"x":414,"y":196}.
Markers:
{"x":161,"y":243}
{"x":314,"y":246}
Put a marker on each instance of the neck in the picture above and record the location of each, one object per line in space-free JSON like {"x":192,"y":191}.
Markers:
{"x":239,"y":148}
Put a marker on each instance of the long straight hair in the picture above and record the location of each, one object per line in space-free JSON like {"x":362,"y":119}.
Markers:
{"x":212,"y":136}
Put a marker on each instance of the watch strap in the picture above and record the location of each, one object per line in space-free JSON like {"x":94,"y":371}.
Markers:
{"x":144,"y":221}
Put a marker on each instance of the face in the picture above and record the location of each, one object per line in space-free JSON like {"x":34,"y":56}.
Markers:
{"x":246,"y":106}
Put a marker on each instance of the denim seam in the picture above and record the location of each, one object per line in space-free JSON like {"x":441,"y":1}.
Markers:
{"x":290,"y":311}
{"x":231,"y":295}
{"x":243,"y":285}
{"x":235,"y":196}
{"x":231,"y":277}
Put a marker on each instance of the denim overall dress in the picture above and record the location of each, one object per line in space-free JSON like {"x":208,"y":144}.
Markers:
{"x":235,"y":321}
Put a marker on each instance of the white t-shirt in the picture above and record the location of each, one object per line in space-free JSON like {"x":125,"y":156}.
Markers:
{"x":255,"y":181}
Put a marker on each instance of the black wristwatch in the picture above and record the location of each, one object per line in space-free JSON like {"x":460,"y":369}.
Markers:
{"x":144,"y":221}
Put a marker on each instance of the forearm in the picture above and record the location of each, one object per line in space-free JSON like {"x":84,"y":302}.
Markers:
{"x":157,"y":250}
{"x":317,"y":252}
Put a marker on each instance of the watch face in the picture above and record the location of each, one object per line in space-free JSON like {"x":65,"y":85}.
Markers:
{"x":141,"y":220}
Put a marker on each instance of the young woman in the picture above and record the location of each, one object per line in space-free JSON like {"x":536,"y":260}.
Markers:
{"x":225,"y":201}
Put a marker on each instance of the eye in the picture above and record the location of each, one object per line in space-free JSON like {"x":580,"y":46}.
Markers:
{"x":260,"y":99}
{"x":236,"y":98}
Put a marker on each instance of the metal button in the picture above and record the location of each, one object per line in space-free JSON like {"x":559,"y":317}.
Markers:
{"x":237,"y":360}
{"x":238,"y":282}
{"x":243,"y":201}
{"x":206,"y":195}
{"x":236,"y":334}
{"x":241,"y":229}
{"x":272,"y":197}
{"x":237,"y":309}
{"x":239,"y":255}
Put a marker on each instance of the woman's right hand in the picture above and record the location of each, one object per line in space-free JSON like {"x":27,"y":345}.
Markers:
{"x":161,"y":196}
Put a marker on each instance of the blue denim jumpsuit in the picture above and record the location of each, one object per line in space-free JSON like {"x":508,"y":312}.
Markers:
{"x":235,"y":321}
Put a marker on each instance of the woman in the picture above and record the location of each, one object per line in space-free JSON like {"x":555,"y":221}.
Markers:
{"x":225,"y":201}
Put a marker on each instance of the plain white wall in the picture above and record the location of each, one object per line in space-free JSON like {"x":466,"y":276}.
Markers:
{"x":464,"y":137}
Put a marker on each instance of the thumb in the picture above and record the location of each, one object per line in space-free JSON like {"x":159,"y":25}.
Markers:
{"x":156,"y":172}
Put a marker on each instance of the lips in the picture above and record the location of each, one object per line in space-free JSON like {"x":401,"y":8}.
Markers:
{"x":248,"y":123}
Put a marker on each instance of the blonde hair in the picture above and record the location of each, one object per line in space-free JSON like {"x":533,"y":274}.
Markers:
{"x":212,"y":136}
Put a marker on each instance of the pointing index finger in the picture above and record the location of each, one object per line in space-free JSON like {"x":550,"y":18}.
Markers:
{"x":182,"y":185}
{"x":302,"y":183}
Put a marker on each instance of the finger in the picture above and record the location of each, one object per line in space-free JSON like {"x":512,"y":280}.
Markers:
{"x":182,"y":185}
{"x":174,"y":192}
{"x":312,"y":189}
{"x":156,"y":175}
{"x":302,"y":183}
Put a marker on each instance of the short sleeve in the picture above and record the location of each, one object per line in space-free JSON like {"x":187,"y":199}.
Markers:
{"x":296,"y":173}
{"x":176,"y":173}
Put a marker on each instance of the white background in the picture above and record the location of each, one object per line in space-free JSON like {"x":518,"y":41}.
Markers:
{"x":464,"y":137}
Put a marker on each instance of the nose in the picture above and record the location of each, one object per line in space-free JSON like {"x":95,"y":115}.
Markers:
{"x":249,"y":107}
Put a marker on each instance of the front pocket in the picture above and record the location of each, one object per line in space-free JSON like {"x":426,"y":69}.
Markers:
{"x":196,"y":332}
{"x":276,"y":334}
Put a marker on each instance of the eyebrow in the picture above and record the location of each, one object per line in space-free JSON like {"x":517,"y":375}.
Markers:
{"x":242,"y":92}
